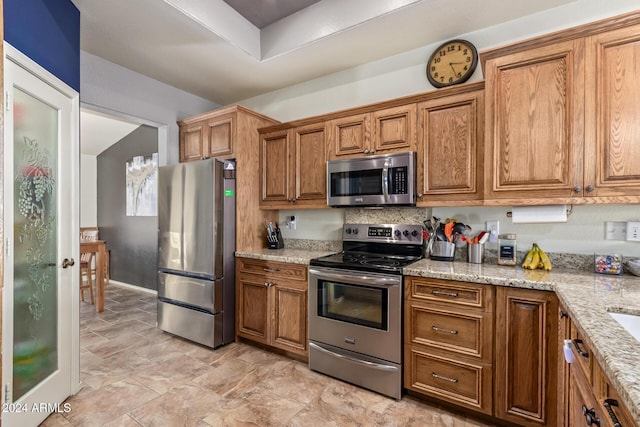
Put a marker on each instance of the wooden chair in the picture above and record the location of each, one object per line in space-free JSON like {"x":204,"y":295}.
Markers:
{"x":86,"y":261}
{"x":89,"y":232}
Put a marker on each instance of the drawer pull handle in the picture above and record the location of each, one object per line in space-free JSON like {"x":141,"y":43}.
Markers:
{"x":270,"y":270}
{"x":440,"y":377}
{"x":581,"y":352}
{"x":447,"y":294}
{"x":608,"y":403}
{"x":449,"y":331}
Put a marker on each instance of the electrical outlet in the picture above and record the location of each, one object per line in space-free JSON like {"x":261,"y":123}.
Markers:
{"x":615,"y":230}
{"x":633,"y":231}
{"x":493,"y":227}
{"x":291,"y":222}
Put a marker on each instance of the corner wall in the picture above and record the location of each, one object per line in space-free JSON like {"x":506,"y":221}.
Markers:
{"x":131,"y":240}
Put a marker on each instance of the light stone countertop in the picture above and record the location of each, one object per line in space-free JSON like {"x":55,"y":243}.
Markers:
{"x":586,"y":296}
{"x":293,"y":256}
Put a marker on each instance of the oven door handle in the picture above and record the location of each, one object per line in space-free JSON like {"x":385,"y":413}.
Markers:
{"x":361,"y":279}
{"x":351,"y":359}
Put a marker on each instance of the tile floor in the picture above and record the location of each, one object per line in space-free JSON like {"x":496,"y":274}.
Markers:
{"x":135,"y":375}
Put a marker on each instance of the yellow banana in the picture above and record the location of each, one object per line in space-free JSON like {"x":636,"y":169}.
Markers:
{"x":528,"y":259}
{"x":535,"y":260}
{"x":544,"y":259}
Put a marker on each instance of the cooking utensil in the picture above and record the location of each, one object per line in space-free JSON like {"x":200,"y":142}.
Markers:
{"x":483,"y":238}
{"x":448,"y":231}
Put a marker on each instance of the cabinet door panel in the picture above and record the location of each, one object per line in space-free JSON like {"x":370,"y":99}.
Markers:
{"x":220,"y":136}
{"x":274,"y":164}
{"x":394,"y":129}
{"x":311,"y":163}
{"x":191,"y":140}
{"x":450,"y":147}
{"x":349,"y":136}
{"x":526,"y":356}
{"x":290,"y":318}
{"x":613,"y":166}
{"x":253,"y":309}
{"x":535,"y":122}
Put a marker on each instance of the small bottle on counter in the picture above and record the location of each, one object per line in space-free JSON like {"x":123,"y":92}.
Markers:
{"x":507,"y":249}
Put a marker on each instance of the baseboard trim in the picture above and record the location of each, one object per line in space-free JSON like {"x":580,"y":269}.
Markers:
{"x":133,"y":287}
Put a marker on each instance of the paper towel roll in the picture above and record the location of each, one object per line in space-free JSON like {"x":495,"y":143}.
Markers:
{"x":539,"y":214}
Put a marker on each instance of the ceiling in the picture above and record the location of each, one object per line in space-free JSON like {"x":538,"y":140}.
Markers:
{"x":98,"y":131}
{"x":210,"y":49}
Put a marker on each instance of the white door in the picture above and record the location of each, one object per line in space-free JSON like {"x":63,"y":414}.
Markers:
{"x":40,"y":296}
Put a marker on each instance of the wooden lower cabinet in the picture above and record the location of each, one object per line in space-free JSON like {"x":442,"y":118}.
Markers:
{"x":526,"y":337}
{"x":449,"y":341}
{"x":586,"y":394}
{"x":271,"y":304}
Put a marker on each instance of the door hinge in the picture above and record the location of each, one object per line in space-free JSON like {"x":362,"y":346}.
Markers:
{"x":7,"y":101}
{"x":7,"y":397}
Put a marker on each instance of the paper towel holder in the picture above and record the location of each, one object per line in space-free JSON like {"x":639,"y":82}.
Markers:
{"x":539,"y":214}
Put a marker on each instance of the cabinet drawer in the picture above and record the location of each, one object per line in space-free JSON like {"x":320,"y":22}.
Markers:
{"x":273,"y":269}
{"x":466,"y":333}
{"x":582,"y":353}
{"x":466,"y":384}
{"x":448,"y":291}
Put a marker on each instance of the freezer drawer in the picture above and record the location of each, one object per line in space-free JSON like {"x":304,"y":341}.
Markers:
{"x":203,"y":328}
{"x":206,"y":294}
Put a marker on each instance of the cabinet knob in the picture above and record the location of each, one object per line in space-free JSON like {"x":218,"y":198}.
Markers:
{"x":590,"y":188}
{"x":366,"y":151}
{"x":577,"y":189}
{"x":372,"y":151}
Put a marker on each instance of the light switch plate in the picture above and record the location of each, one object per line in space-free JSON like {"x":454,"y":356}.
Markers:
{"x":633,"y":231}
{"x":493,"y":227}
{"x":615,"y":230}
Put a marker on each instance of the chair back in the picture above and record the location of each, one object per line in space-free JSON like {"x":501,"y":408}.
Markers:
{"x":88,"y":234}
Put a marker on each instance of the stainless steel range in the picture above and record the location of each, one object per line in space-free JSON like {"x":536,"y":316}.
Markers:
{"x":355,"y":305}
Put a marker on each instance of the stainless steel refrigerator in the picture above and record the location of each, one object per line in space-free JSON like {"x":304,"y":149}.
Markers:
{"x":196,"y":239}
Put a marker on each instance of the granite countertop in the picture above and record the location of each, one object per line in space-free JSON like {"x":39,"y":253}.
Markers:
{"x":588,"y":297}
{"x":294,"y":256}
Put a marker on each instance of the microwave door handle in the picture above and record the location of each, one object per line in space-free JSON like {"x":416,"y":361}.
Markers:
{"x":385,"y":181}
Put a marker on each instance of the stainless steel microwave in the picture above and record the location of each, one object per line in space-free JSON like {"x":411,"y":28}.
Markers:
{"x":382,"y":180}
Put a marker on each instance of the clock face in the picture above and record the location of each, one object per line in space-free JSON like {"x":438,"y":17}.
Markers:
{"x":452,"y":63}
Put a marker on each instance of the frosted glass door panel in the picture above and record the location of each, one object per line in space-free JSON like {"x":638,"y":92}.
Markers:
{"x":35,"y":296}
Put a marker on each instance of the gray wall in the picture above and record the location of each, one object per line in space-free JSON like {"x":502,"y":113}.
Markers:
{"x":131,"y":240}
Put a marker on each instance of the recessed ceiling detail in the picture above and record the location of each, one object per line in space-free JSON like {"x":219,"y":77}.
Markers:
{"x":262,"y":13}
{"x":207,"y":48}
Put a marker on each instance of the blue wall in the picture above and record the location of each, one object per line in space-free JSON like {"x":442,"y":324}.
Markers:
{"x":48,"y":32}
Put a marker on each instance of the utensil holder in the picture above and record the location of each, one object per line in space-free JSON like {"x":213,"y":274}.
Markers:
{"x":475,"y":251}
{"x":442,"y":251}
{"x":275,"y":241}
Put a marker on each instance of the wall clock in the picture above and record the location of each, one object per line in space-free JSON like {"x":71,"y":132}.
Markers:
{"x":453,"y":62}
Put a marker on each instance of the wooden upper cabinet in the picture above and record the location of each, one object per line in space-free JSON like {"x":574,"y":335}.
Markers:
{"x":450,"y":149}
{"x":310,"y":157}
{"x":535,"y":122}
{"x":191,"y":138}
{"x":293,"y":168}
{"x":612,"y":166}
{"x":349,"y":136}
{"x":382,"y":131}
{"x":274,"y":167}
{"x":220,"y":136}
{"x":394,"y":129}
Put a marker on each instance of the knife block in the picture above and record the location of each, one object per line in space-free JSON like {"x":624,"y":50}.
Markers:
{"x":276,"y":241}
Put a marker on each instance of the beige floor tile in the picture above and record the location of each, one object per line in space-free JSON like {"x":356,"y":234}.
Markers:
{"x":135,"y":375}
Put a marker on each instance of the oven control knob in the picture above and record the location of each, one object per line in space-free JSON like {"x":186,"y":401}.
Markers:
{"x":405,"y":233}
{"x":355,"y":231}
{"x":347,"y":230}
{"x":397,"y":233}
{"x":414,"y":233}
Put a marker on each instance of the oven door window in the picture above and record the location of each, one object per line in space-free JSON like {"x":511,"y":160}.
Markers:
{"x":356,"y":183}
{"x":360,"y":305}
